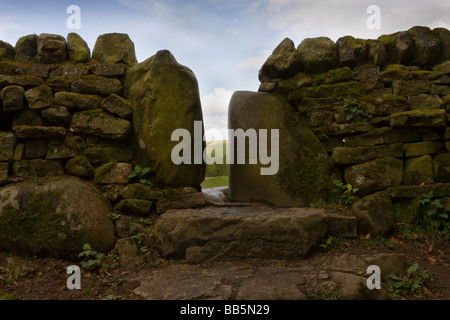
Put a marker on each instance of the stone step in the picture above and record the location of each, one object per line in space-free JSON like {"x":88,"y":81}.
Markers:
{"x":219,"y":233}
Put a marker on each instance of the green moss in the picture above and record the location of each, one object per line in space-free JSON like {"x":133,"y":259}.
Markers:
{"x":339,"y":75}
{"x":75,"y":143}
{"x":309,"y":176}
{"x":101,"y":171}
{"x":81,"y":167}
{"x":106,"y":154}
{"x":8,"y":67}
{"x":418,"y":113}
{"x":137,"y":191}
{"x":60,"y":84}
{"x":338,"y":90}
{"x":34,"y":225}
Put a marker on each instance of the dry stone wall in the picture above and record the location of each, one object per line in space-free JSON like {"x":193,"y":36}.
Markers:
{"x":381,"y":110}
{"x":69,"y":117}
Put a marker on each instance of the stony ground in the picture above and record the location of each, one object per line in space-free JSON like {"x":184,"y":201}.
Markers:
{"x":329,"y":273}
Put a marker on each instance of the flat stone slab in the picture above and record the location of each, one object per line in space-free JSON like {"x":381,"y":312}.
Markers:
{"x":218,"y":233}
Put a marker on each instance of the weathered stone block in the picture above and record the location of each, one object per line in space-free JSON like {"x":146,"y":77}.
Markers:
{"x":113,"y":173}
{"x":45,"y":168}
{"x":419,"y":118}
{"x":97,"y":85}
{"x":418,"y":170}
{"x":375,"y":214}
{"x":57,"y":115}
{"x":77,"y":48}
{"x":78,"y":101}
{"x":118,"y":106}
{"x":4,"y":171}
{"x":51,"y":48}
{"x":8,"y":141}
{"x":13,"y":98}
{"x":425,"y":101}
{"x":100,"y":123}
{"x":375,"y":175}
{"x":410,"y":87}
{"x":35,"y":149}
{"x":134,"y":207}
{"x":114,"y":48}
{"x":39,"y":132}
{"x":350,"y":128}
{"x":108,"y":70}
{"x":26,"y":48}
{"x":344,"y":155}
{"x":39,"y":97}
{"x":317,"y":54}
{"x":249,"y":232}
{"x":441,"y":168}
{"x":420,"y":148}
{"x":184,"y":201}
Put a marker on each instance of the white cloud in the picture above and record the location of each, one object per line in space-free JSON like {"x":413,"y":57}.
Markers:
{"x":7,"y":25}
{"x":215,"y":113}
{"x":255,"y":62}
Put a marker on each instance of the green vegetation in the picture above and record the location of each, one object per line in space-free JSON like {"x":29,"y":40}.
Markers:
{"x":353,"y":112}
{"x":345,"y":194}
{"x":433,"y":214}
{"x":91,"y":258}
{"x":413,"y":283}
{"x":212,"y":182}
{"x":114,"y":216}
{"x":140,"y":172}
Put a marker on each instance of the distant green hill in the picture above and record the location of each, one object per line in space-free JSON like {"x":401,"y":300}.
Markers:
{"x":215,"y":169}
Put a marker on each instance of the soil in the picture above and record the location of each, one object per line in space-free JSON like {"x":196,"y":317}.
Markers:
{"x":30,"y":278}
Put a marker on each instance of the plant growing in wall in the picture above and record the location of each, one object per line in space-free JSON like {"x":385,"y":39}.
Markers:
{"x":353,"y":111}
{"x":434,"y":214}
{"x":140,"y":172}
{"x":345,"y":194}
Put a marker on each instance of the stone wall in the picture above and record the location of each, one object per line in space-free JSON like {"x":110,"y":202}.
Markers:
{"x":66,"y":114}
{"x":373,"y":113}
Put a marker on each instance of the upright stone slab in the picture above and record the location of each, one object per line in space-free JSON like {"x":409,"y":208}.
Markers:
{"x":304,"y":165}
{"x":165,"y":97}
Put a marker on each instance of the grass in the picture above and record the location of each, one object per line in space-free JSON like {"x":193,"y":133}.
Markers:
{"x":212,"y":182}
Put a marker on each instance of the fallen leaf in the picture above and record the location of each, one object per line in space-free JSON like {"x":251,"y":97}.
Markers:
{"x":430,"y":248}
{"x":367,"y":236}
{"x":432,"y":260}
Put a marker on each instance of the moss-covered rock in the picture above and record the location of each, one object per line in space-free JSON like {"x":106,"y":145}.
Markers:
{"x":427,"y":46}
{"x":39,"y":132}
{"x":108,"y":153}
{"x":419,"y":118}
{"x":98,"y":85}
{"x":54,"y":218}
{"x":114,"y":48}
{"x":13,"y":98}
{"x":304,"y":165}
{"x":51,"y":48}
{"x":6,"y":51}
{"x":142,"y":192}
{"x":25,"y":81}
{"x":441,"y":168}
{"x":317,"y":54}
{"x":77,"y":48}
{"x":420,"y":148}
{"x":78,"y":101}
{"x":399,"y":47}
{"x":418,"y":170}
{"x":100,"y":123}
{"x":8,"y":141}
{"x":134,"y":207}
{"x":351,"y":51}
{"x":113,"y":172}
{"x":410,"y":87}
{"x":345,"y":155}
{"x":40,"y":97}
{"x":80,"y":166}
{"x":8,"y":67}
{"x":281,"y":63}
{"x":57,"y":115}
{"x":375,"y":175}
{"x":26,"y":48}
{"x":118,"y":106}
{"x":165,"y":97}
{"x":374,"y":214}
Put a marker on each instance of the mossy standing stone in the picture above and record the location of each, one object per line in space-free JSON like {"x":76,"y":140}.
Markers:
{"x":165,"y":97}
{"x":304,"y":165}
{"x":26,"y":48}
{"x":77,"y":48}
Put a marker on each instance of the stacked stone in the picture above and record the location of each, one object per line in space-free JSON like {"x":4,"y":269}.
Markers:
{"x":381,"y":110}
{"x":62,"y":112}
